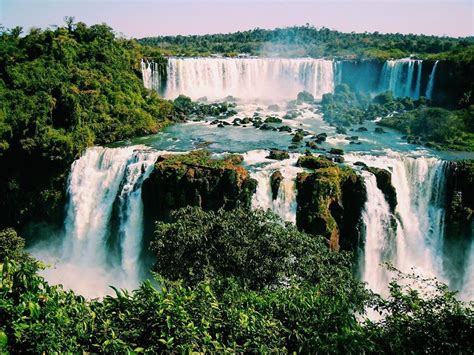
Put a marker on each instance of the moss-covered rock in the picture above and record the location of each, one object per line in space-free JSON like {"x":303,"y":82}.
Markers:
{"x":314,"y":162}
{"x":272,"y":119}
{"x":336,"y":151}
{"x":278,"y":154}
{"x":384,"y":183}
{"x":330,"y":201}
{"x":304,"y":96}
{"x":297,"y":137}
{"x":196,"y":179}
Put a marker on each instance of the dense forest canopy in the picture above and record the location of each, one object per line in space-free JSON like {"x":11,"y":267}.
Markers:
{"x":309,"y":305}
{"x":316,"y":42}
{"x":63,"y":89}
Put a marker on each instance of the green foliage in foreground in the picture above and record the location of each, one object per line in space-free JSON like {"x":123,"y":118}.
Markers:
{"x":256,"y":247}
{"x":228,"y":314}
{"x":300,"y":41}
{"x":422,"y":316}
{"x":62,"y":90}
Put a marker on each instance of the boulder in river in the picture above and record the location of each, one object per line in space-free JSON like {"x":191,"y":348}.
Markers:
{"x":330,"y":202}
{"x":272,"y":119}
{"x":196,"y":179}
{"x":336,"y":151}
{"x":278,"y":154}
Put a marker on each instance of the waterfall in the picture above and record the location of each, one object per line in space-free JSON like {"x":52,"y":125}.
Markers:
{"x":418,"y":237}
{"x":338,"y":72}
{"x":431,"y":80}
{"x":274,"y":79}
{"x":104,"y":221}
{"x":285,"y":203}
{"x":379,"y":238}
{"x":398,"y":76}
{"x":147,"y":73}
{"x":419,"y":67}
{"x":249,"y":78}
{"x":467,"y":290}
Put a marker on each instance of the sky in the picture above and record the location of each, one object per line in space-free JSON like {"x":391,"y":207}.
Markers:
{"x":165,"y":17}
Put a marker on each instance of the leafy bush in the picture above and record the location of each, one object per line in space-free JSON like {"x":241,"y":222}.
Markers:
{"x":422,"y":316}
{"x":11,"y":245}
{"x":225,"y":315}
{"x":447,"y":129}
{"x":256,"y":247}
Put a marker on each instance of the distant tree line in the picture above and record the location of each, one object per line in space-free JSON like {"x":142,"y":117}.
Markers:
{"x":316,"y":42}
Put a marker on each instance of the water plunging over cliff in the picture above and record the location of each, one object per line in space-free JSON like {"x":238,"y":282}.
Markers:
{"x":431,"y":81}
{"x":284,"y":204}
{"x":150,"y":74}
{"x":280,"y":79}
{"x":402,"y":77}
{"x":379,"y":237}
{"x":417,"y":239}
{"x":104,"y":221}
{"x":248,"y":79}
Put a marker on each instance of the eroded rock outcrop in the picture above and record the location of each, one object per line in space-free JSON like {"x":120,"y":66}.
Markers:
{"x":275,"y":181}
{"x":278,"y":154}
{"x":460,"y":199}
{"x":384,"y":183}
{"x":196,"y":179}
{"x":330,"y":202}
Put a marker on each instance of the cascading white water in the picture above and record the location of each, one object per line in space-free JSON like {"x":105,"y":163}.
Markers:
{"x":104,"y":192}
{"x":338,"y":72}
{"x":151,"y":75}
{"x":398,"y":76}
{"x":467,"y":291}
{"x":285,"y":203}
{"x":379,"y":237}
{"x":272,"y":79}
{"x":431,"y":81}
{"x":147,"y":73}
{"x":420,"y":213}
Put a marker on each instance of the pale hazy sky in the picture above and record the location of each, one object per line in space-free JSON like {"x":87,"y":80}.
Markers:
{"x":159,"y":17}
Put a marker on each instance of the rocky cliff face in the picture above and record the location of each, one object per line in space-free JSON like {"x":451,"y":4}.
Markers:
{"x":384,"y":183}
{"x":460,"y":199}
{"x":330,"y":202}
{"x":195,"y":179}
{"x":459,"y":219}
{"x":453,"y":80}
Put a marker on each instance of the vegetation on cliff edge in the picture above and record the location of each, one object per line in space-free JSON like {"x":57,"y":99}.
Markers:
{"x":63,"y":89}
